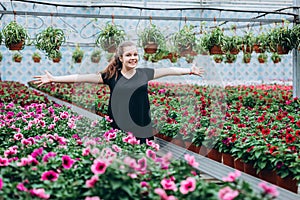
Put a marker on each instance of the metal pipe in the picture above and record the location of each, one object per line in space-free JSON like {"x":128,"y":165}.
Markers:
{"x":74,"y":15}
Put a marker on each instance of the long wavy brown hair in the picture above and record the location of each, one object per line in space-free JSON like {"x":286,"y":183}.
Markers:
{"x":115,"y":63}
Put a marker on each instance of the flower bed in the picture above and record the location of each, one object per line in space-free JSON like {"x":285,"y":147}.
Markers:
{"x":46,"y":151}
{"x":259,"y":125}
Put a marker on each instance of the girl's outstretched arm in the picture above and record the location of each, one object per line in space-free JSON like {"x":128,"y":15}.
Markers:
{"x":177,"y":71}
{"x":75,"y":78}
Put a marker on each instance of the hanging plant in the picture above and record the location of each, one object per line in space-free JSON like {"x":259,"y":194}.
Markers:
{"x":280,"y":39}
{"x":151,"y":39}
{"x":262,"y":58}
{"x":36,"y":57}
{"x":275,"y":57}
{"x":15,"y":36}
{"x":230,"y":58}
{"x":96,"y":56}
{"x":248,"y":40}
{"x":50,"y":40}
{"x":1,"y":56}
{"x":77,"y":55}
{"x":17,"y":57}
{"x":218,"y":58}
{"x":213,"y":41}
{"x":55,"y":55}
{"x":110,"y":37}
{"x":247,"y":57}
{"x":185,"y":40}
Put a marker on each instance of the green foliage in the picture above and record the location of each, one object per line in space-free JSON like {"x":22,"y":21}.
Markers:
{"x":210,"y":39}
{"x":96,"y":55}
{"x":77,"y":54}
{"x":185,"y":38}
{"x":14,"y":33}
{"x":50,"y":40}
{"x":151,"y":34}
{"x":281,"y":36}
{"x":110,"y":37}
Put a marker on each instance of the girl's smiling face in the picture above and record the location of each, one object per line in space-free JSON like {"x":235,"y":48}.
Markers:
{"x":130,"y":57}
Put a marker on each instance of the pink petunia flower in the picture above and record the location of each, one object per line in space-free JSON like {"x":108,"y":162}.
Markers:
{"x":4,"y":162}
{"x":151,"y":154}
{"x":39,"y":193}
{"x":191,"y":160}
{"x":232,"y":176}
{"x":18,"y":136}
{"x":227,"y":193}
{"x":116,"y":148}
{"x":50,"y":176}
{"x":163,"y":195}
{"x":188,"y":185}
{"x":48,"y":155}
{"x":1,"y":183}
{"x":99,"y":166}
{"x":90,"y":183}
{"x":67,"y":162}
{"x":269,"y":189}
{"x":92,"y":198}
{"x":168,"y":184}
{"x":21,"y":187}
{"x":144,"y":184}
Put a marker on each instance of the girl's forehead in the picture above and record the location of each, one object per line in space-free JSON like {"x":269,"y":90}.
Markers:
{"x":130,"y":49}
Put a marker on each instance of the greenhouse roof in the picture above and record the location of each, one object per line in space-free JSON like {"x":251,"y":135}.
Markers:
{"x":267,"y":5}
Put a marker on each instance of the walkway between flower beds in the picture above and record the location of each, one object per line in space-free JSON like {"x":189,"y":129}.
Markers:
{"x":210,"y":169}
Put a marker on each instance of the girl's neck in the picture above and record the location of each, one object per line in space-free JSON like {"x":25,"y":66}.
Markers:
{"x":128,"y":73}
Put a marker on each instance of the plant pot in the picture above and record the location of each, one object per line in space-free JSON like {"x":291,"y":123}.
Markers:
{"x":17,"y":46}
{"x":234,"y":51}
{"x":248,"y":49}
{"x":36,"y":60}
{"x":239,"y":164}
{"x":249,"y":169}
{"x":257,"y":48}
{"x":228,"y":159}
{"x":79,"y":60}
{"x":261,"y":60}
{"x":281,"y":50}
{"x":268,"y":175}
{"x":214,"y":154}
{"x":247,"y":60}
{"x":194,"y":148}
{"x":111,"y":49}
{"x":178,"y":142}
{"x":287,"y":183}
{"x":215,"y":50}
{"x":18,"y":60}
{"x":56,"y":60}
{"x":95,"y":59}
{"x":150,"y":48}
{"x":203,"y":151}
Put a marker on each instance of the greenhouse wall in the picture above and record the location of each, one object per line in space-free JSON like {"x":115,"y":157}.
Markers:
{"x":83,"y":31}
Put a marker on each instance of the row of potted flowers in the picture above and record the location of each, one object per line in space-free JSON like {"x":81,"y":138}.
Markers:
{"x":47,"y":151}
{"x":258,"y":124}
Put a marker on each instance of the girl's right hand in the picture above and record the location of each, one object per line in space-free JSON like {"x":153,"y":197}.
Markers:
{"x":43,"y":79}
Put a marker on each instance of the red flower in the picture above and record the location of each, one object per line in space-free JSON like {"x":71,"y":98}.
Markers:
{"x":289,"y":138}
{"x":261,"y":119}
{"x":265,"y":131}
{"x":297,"y":133}
{"x":298,"y":123}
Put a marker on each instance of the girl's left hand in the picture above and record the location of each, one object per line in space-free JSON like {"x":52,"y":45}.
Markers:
{"x":199,"y":71}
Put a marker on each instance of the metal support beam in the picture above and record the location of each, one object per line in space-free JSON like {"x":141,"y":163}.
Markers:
{"x":296,"y":59}
{"x":82,"y":15}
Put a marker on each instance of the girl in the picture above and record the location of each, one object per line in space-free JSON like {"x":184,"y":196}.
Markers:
{"x":129,"y":106}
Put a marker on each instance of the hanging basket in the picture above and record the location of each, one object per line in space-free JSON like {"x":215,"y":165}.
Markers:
{"x":150,"y":48}
{"x":215,"y":50}
{"x":17,"y":46}
{"x":282,"y":50}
